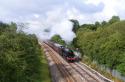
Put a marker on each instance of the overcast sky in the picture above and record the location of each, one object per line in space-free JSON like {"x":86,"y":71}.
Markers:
{"x":53,"y":15}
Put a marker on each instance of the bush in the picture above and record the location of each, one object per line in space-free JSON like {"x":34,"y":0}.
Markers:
{"x":105,"y":45}
{"x":20,"y":56}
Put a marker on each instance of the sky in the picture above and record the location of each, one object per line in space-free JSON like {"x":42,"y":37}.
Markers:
{"x":46,"y":18}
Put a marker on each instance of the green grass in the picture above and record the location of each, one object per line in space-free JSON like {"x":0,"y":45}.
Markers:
{"x":45,"y":70}
{"x":96,"y":67}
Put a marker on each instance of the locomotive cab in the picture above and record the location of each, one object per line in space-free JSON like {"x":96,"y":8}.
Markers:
{"x":70,"y":55}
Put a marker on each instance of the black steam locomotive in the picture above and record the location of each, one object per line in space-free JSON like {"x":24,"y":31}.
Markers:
{"x":66,"y":53}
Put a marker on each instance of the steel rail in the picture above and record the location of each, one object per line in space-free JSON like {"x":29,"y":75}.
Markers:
{"x":61,"y":68}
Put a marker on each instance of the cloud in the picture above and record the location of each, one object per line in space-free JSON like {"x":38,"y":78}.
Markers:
{"x":111,"y":7}
{"x":48,"y":17}
{"x":64,"y":29}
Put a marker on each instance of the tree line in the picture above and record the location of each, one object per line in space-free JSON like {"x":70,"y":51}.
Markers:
{"x":20,"y":55}
{"x":103,"y":42}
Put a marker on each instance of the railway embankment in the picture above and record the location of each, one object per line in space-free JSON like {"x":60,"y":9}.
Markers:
{"x":62,"y":71}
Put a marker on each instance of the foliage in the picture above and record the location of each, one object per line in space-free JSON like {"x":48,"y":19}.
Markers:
{"x":106,"y":44}
{"x":114,"y":19}
{"x":20,"y":55}
{"x":75,"y":25}
{"x":58,"y":39}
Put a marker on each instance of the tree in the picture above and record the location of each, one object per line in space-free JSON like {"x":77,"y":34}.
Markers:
{"x":58,"y":39}
{"x":20,"y":55}
{"x":114,"y":19}
{"x":97,"y":24}
{"x":22,"y":26}
{"x":104,"y":45}
{"x":75,"y":25}
{"x":104,"y":23}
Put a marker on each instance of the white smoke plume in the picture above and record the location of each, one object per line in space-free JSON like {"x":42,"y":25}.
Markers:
{"x":63,"y":28}
{"x":54,"y":22}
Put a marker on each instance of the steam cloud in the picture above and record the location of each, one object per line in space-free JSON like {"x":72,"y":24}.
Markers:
{"x":63,"y":28}
{"x":53,"y":22}
{"x":46,"y":18}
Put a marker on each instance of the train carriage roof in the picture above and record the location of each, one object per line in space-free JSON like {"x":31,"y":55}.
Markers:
{"x":58,"y":45}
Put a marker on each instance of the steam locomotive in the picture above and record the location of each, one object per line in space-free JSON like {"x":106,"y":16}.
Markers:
{"x":67,"y":53}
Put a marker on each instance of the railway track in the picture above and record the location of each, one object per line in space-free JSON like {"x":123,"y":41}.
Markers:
{"x":61,"y":67}
{"x":66,"y":69}
{"x":84,"y":73}
{"x":95,"y":73}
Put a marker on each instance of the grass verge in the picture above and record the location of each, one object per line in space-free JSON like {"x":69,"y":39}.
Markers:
{"x":45,"y":70}
{"x":94,"y":66}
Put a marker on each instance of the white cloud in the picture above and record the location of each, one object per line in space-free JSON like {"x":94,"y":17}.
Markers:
{"x":36,"y":15}
{"x":53,"y":15}
{"x":112,"y":7}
